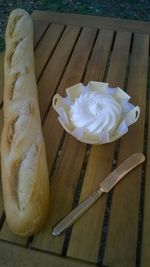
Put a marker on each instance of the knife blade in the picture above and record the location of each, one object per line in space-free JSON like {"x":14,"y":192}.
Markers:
{"x":105,"y":186}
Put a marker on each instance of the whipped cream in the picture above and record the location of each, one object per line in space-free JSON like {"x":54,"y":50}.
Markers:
{"x":96,"y":113}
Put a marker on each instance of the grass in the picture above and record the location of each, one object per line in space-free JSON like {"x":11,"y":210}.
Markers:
{"x":131,"y":9}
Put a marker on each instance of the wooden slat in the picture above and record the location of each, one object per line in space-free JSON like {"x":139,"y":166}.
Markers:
{"x":6,"y":234}
{"x":94,"y":21}
{"x":63,"y":187}
{"x":39,"y":29}
{"x":99,"y":166}
{"x":46,"y":47}
{"x":97,"y":64}
{"x":66,"y":177}
{"x":145,"y":257}
{"x":123,"y":225}
{"x":15,"y":256}
{"x":77,"y":64}
{"x":97,"y":60}
{"x":52,"y":129}
{"x":1,"y":195}
{"x":54,"y":69}
{"x":120,"y":54}
{"x":1,"y":76}
{"x":87,"y":229}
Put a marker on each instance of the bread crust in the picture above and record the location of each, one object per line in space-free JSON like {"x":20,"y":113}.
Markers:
{"x":23,"y":158}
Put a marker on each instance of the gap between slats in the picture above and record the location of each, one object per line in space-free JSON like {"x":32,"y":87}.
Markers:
{"x":112,"y":79}
{"x":49,"y":85}
{"x":108,"y":206}
{"x":109,"y":199}
{"x":112,"y":256}
{"x":61,"y":76}
{"x":114,"y":165}
{"x":79,"y":187}
{"x":76,"y":75}
{"x":55,"y":33}
{"x":2,"y":215}
{"x":76,"y":200}
{"x":83,"y":170}
{"x":145,"y":199}
{"x":34,"y":245}
{"x":41,"y":32}
{"x":143,"y":176}
{"x":56,"y":161}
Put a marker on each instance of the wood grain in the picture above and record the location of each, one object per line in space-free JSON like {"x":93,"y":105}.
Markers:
{"x":98,"y":61}
{"x":94,"y":21}
{"x":66,"y":173}
{"x":123,"y":225}
{"x":55,"y":68}
{"x":6,"y":234}
{"x":99,"y":166}
{"x":1,"y":194}
{"x":116,"y":74}
{"x":52,"y":129}
{"x":40,"y":28}
{"x":15,"y":256}
{"x":63,"y":187}
{"x":145,"y":257}
{"x":46,"y":47}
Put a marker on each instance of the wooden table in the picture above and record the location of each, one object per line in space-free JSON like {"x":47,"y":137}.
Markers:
{"x":116,"y":230}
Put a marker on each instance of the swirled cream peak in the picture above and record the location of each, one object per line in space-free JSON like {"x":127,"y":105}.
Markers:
{"x":97,"y":113}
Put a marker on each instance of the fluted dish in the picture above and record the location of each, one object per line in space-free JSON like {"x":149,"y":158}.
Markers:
{"x":96,"y":113}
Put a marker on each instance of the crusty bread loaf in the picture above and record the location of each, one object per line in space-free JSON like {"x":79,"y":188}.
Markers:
{"x":23,"y":159}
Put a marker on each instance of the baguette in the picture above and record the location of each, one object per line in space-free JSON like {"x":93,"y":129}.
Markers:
{"x":23,"y":158}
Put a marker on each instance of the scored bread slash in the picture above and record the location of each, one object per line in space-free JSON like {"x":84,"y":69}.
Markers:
{"x":23,"y":158}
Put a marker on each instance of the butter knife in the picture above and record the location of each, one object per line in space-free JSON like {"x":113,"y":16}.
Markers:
{"x":105,"y":186}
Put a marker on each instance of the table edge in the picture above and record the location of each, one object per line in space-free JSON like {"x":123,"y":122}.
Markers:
{"x":92,"y":21}
{"x":35,"y":257}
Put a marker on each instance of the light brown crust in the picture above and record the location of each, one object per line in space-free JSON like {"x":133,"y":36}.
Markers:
{"x":23,"y":159}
